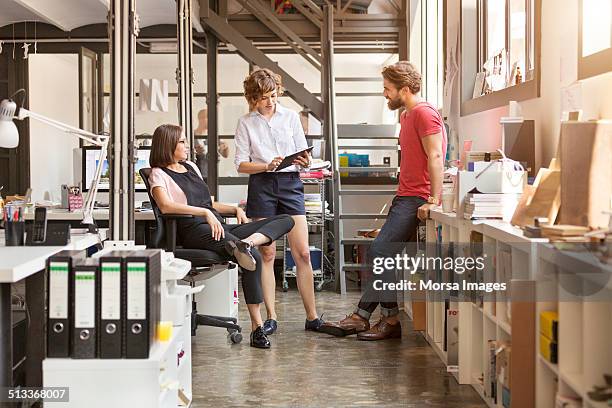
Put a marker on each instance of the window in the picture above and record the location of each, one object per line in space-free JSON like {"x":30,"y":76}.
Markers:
{"x":503,"y":47}
{"x":518,"y":35}
{"x":427,"y":47}
{"x":506,"y":49}
{"x":496,"y":27}
{"x":595,"y":38}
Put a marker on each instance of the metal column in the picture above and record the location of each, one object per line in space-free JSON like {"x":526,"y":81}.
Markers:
{"x":327,"y":89}
{"x":212,"y":102}
{"x":184,"y":73}
{"x":6,"y":336}
{"x":404,"y":32}
{"x":123,"y":29}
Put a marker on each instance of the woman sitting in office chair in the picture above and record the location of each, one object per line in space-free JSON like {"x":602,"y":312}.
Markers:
{"x":178,"y":188}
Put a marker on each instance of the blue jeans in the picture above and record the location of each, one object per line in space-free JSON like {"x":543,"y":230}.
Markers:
{"x":399,"y":229}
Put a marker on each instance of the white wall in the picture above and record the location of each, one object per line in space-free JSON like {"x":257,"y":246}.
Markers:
{"x":54,"y":92}
{"x":559,"y":61}
{"x":53,"y":75}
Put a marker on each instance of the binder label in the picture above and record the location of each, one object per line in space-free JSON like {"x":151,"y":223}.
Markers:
{"x":136,"y":291}
{"x":111,"y":291}
{"x":84,"y":299}
{"x":58,"y":290}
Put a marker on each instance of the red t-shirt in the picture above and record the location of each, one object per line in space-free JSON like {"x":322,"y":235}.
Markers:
{"x":423,"y":120}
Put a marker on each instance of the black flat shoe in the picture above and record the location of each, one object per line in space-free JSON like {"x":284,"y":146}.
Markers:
{"x":259,"y":339}
{"x":270,"y":326}
{"x":315,"y":324}
{"x":242,"y":252}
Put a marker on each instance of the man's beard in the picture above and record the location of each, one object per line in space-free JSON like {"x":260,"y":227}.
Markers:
{"x":395,"y":104}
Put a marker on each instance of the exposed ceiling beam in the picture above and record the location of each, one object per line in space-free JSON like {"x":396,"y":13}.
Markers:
{"x":195,"y":16}
{"x":44,"y":16}
{"x":252,"y":54}
{"x":307,"y":13}
{"x":284,"y":32}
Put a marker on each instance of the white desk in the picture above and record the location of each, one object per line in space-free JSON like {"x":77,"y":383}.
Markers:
{"x":59,"y":214}
{"x":17,"y":263}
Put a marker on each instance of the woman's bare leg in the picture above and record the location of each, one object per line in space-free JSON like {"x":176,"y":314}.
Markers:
{"x":298,"y":242}
{"x":268,"y":281}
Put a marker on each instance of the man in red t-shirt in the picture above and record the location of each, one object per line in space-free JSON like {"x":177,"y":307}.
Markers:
{"x":423,"y":148}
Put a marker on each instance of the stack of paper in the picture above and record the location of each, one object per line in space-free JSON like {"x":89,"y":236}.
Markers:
{"x":496,"y":205}
{"x":312,"y":203}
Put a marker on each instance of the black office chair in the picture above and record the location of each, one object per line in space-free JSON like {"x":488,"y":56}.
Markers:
{"x":204,"y":264}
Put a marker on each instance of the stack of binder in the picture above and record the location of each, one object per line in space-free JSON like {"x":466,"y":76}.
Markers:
{"x":107,"y":307}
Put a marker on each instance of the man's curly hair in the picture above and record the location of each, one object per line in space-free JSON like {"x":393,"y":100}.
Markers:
{"x":403,"y":74}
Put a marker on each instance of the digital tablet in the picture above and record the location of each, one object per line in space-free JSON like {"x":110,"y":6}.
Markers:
{"x":288,"y":160}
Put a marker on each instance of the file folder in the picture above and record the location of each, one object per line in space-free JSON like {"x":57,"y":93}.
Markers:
{"x":84,"y":273}
{"x":59,"y":312}
{"x":109,"y":294}
{"x":142,"y":282}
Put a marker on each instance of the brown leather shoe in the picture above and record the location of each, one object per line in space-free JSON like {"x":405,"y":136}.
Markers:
{"x":382,"y":331}
{"x":349,"y":325}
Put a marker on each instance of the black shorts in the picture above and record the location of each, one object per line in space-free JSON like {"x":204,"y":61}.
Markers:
{"x":275,"y":194}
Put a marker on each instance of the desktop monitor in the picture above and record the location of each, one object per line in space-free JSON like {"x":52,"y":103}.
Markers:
{"x":90,"y":160}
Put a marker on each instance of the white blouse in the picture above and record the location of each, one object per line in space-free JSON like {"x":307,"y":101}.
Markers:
{"x":260,"y":141}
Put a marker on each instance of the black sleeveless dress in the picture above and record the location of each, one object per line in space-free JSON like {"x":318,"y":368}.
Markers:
{"x":197,"y":193}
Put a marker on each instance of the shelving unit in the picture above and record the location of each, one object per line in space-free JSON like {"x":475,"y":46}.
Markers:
{"x":585,"y":324}
{"x":316,"y":235}
{"x":540,"y":271}
{"x":354,"y":138}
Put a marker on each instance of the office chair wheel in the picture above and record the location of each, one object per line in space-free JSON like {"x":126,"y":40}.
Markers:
{"x":285,"y":286}
{"x":235,"y":337}
{"x":319,"y":286}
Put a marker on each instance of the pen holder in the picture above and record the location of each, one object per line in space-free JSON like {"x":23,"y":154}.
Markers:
{"x":75,"y":202}
{"x":14,"y":233}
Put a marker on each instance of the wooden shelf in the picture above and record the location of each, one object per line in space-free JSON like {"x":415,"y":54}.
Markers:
{"x":552,"y":367}
{"x":574,"y":381}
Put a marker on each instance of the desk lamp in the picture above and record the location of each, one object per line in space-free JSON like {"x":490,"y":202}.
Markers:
{"x":9,"y":138}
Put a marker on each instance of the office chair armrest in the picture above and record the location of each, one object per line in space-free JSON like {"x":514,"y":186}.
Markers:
{"x":170,"y":220}
{"x":176,"y":216}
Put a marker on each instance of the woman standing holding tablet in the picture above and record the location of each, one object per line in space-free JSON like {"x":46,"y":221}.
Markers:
{"x":264,"y":136}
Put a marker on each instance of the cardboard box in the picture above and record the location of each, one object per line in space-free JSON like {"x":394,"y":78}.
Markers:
{"x":586,"y":173}
{"x":419,"y":315}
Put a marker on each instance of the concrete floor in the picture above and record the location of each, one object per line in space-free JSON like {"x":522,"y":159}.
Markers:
{"x":309,"y":369}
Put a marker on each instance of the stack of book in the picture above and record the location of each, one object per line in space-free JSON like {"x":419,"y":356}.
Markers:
{"x":494,"y":205}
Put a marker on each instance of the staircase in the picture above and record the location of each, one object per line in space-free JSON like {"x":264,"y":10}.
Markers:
{"x":249,"y":52}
